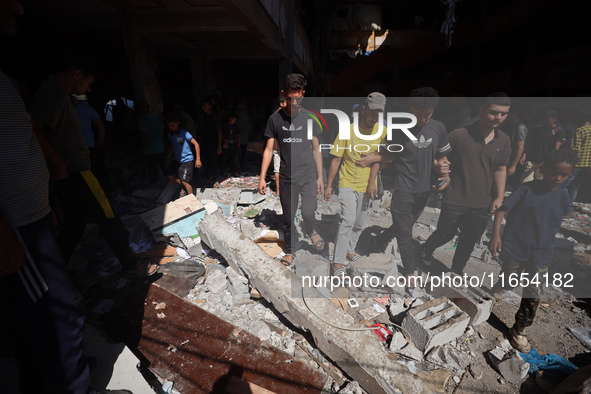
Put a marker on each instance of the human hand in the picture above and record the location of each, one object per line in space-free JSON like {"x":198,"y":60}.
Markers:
{"x":12,"y":254}
{"x":262,"y":186}
{"x":522,"y":160}
{"x":372,"y":190}
{"x":445,"y":185}
{"x":327,"y":193}
{"x":442,"y":166}
{"x":198,"y":163}
{"x":495,"y":244}
{"x":320,"y":185}
{"x":496,"y":204}
{"x":366,"y":160}
{"x":510,"y":170}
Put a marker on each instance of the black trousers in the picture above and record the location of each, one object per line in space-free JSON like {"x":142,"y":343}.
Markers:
{"x":406,"y":209}
{"x":80,"y":197}
{"x":290,"y":191}
{"x":470,"y":221}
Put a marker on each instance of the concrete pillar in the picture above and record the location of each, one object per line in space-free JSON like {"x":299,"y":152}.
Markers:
{"x":286,"y":65}
{"x":142,"y":63}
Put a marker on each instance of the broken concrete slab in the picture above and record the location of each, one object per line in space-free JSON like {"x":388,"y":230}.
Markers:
{"x":444,"y":356}
{"x":250,"y":197}
{"x":185,"y":208}
{"x":238,"y":284}
{"x":313,"y":266}
{"x":473,"y":301}
{"x":435,"y":323}
{"x":216,"y":279}
{"x":583,"y":334}
{"x":513,"y":368}
{"x":359,"y":353}
{"x":436,"y":379}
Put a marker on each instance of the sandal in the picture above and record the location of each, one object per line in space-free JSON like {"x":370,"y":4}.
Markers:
{"x":287,"y":260}
{"x":339,"y":272}
{"x":356,"y":257}
{"x":317,"y":241}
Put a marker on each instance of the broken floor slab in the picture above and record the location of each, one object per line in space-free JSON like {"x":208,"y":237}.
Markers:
{"x":359,"y":353}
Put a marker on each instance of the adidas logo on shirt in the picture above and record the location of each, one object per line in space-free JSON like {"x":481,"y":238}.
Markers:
{"x":421,"y":143}
{"x":292,"y":140}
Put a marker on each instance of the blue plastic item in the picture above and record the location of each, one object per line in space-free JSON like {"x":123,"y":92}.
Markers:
{"x":549,"y":362}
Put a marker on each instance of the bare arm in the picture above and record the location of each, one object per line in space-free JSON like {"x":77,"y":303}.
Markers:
{"x":197,"y":153}
{"x":267,"y":156}
{"x":318,"y":161}
{"x":12,"y":253}
{"x":100,"y":131}
{"x":441,"y":166}
{"x":517,"y":158}
{"x":495,"y":240}
{"x":372,"y":189}
{"x":500,"y":177}
{"x":52,"y":157}
{"x":332,"y":173}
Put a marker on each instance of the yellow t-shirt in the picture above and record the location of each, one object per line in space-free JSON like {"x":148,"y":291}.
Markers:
{"x":351,"y":150}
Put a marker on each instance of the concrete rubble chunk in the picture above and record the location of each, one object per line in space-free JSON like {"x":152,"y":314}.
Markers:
{"x":175,"y":210}
{"x":448,"y":358}
{"x":434,"y":323}
{"x":359,"y":353}
{"x":398,"y":341}
{"x":216,"y":279}
{"x":436,"y":379}
{"x":513,"y":368}
{"x":312,"y":265}
{"x":261,"y":330}
{"x":378,"y":265}
{"x":473,"y":301}
{"x":238,"y":284}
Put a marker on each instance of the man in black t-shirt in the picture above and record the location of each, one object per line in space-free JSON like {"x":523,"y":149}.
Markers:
{"x":301,"y":164}
{"x":541,"y":141}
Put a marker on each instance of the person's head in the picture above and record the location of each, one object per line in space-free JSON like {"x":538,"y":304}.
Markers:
{"x":9,"y":14}
{"x":494,"y":110}
{"x":549,"y":118}
{"x":422,"y":103}
{"x":282,"y":101}
{"x":557,"y":166}
{"x":375,"y":104}
{"x":293,"y":91}
{"x":232,"y":118}
{"x":172,"y":121}
{"x":207,"y":106}
{"x":77,"y":72}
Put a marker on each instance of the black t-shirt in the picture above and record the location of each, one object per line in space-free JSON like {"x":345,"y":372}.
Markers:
{"x":542,"y":141}
{"x":412,"y":167}
{"x":295,"y":149}
{"x":230,"y":134}
{"x":209,"y":136}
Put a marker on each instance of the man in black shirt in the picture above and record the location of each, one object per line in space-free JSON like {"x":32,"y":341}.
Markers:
{"x":301,"y":164}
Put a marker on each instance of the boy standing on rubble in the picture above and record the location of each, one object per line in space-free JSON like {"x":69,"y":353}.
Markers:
{"x":180,"y":171}
{"x":528,"y":238}
{"x":301,"y":164}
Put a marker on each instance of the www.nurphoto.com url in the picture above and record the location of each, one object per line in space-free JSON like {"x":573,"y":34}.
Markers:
{"x":444,"y":279}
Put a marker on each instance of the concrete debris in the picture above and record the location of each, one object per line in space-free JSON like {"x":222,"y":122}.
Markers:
{"x":583,"y":334}
{"x":473,"y":301}
{"x":410,"y":351}
{"x":380,"y":266}
{"x":445,"y":357}
{"x":436,"y":379}
{"x":238,"y":284}
{"x":398,"y":341}
{"x":435,"y":323}
{"x":261,"y":330}
{"x":216,"y":279}
{"x":510,"y":365}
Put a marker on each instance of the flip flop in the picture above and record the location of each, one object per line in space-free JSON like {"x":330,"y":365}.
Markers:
{"x":356,"y":257}
{"x":287,"y":260}
{"x":339,"y":272}
{"x":317,"y":241}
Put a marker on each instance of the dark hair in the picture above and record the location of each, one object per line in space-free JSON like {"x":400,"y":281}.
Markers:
{"x":425,"y":97}
{"x":295,"y":81}
{"x":497,"y":98}
{"x":232,"y":115}
{"x":69,"y":62}
{"x":561,"y":156}
{"x":171,"y":116}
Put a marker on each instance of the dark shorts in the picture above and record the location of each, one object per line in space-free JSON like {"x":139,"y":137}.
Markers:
{"x":183,"y":171}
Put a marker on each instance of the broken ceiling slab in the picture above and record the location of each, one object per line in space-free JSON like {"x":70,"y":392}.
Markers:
{"x":200,"y":352}
{"x":359,"y":353}
{"x":181,"y":216}
{"x":250,"y":197}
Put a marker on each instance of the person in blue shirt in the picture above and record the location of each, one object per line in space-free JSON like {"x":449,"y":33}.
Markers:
{"x":529,"y":236}
{"x":180,"y":170}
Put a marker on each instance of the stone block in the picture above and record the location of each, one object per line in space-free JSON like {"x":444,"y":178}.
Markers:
{"x":513,"y":368}
{"x":378,"y":265}
{"x":238,"y":284}
{"x":473,"y":301}
{"x":448,"y":358}
{"x":434,"y":323}
{"x":216,"y":279}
